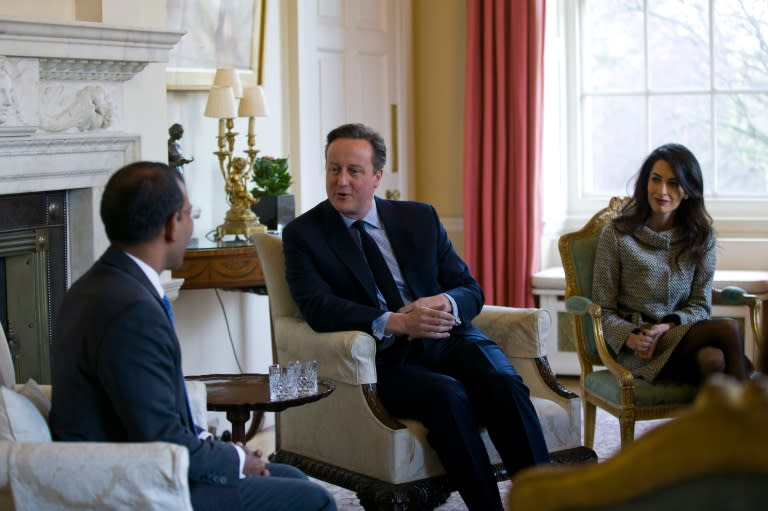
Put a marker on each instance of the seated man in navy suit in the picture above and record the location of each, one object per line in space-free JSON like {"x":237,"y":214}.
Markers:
{"x":116,"y":366}
{"x":355,"y":262}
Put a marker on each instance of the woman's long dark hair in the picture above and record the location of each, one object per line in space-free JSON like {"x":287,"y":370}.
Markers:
{"x":691,"y":217}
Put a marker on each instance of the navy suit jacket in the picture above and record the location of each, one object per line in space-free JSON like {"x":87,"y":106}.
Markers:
{"x":116,"y":370}
{"x":330,"y":280}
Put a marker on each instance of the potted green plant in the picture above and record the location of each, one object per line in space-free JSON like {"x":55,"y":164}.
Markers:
{"x":271,"y":180}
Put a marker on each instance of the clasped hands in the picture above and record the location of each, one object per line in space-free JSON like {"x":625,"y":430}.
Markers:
{"x":254,"y":465}
{"x":429,"y":317}
{"x":643,"y":340}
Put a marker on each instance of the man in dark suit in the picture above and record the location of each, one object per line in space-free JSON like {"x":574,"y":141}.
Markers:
{"x":355,"y":262}
{"x":116,"y":367}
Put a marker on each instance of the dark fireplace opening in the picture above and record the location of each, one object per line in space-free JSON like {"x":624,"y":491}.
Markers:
{"x":33,"y":277}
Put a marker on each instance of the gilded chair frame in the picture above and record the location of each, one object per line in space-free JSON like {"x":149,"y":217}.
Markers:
{"x":671,"y":464}
{"x":588,"y":331}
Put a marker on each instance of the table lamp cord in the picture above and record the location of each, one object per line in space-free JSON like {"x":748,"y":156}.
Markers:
{"x":229,"y":332}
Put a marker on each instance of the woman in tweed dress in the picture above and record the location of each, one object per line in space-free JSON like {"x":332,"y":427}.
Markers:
{"x":653,"y":274}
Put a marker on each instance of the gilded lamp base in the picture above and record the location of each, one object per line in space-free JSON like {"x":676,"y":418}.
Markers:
{"x":240,"y":221}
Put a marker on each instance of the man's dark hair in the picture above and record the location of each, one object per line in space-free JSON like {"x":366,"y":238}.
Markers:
{"x":137,"y":201}
{"x":363,"y":132}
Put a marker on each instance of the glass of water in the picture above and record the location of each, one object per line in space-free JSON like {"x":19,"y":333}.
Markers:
{"x":283,"y":382}
{"x":307,"y":377}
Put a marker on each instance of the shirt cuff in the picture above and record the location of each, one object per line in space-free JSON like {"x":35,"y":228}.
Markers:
{"x":379,"y":325}
{"x":241,"y":455}
{"x":454,"y":309}
{"x":204,"y":435}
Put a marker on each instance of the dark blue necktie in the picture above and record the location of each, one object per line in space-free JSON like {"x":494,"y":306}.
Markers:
{"x":381,"y":274}
{"x":169,"y":312}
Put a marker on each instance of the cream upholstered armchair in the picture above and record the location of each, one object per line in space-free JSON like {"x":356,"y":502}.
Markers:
{"x":38,"y":474}
{"x":350,"y":440}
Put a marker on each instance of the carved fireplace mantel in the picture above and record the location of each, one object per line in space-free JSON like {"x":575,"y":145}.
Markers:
{"x":56,"y":64}
{"x":84,"y":50}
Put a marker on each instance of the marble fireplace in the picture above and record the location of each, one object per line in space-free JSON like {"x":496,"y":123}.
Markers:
{"x":65,"y":89}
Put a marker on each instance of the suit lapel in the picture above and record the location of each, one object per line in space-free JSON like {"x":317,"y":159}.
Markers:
{"x":117,"y":258}
{"x":340,"y":240}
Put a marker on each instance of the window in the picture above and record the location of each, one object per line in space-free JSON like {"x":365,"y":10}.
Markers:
{"x":639,"y":73}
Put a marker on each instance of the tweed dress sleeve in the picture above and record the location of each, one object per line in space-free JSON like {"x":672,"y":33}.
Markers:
{"x":698,"y":305}
{"x":606,"y":289}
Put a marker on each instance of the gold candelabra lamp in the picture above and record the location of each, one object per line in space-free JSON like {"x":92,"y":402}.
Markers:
{"x":236,"y":170}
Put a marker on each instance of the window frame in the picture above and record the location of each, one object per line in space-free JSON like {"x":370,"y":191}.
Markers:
{"x":742,"y":217}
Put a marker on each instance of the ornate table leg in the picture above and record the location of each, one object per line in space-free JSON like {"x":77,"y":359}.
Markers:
{"x":238,"y":417}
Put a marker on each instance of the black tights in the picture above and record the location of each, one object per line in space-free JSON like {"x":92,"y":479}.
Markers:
{"x":709,"y":346}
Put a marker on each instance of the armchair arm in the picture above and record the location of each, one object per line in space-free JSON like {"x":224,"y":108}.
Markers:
{"x":90,"y":475}
{"x":347,"y":356}
{"x":520,"y":332}
{"x":584,"y":308}
{"x":732,"y":295}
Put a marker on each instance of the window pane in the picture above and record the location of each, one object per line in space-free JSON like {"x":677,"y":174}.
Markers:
{"x":685,"y":120}
{"x":741,"y":39}
{"x":613,"y":45}
{"x":742,"y":144}
{"x":678,"y":44}
{"x":616,"y":146}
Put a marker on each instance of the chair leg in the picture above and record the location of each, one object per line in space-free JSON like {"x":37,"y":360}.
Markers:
{"x":627,"y":427}
{"x":590,"y":412}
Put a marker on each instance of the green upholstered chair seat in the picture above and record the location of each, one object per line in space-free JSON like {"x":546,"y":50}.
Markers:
{"x":647,"y":395}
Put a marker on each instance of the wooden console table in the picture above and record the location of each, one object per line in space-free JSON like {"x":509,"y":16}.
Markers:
{"x":225,"y":265}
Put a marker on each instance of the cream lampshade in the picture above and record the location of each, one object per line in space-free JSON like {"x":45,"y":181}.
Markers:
{"x":228,"y":77}
{"x":252,"y":103}
{"x":221,"y":103}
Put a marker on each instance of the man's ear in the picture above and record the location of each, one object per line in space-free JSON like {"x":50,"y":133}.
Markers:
{"x":170,"y":229}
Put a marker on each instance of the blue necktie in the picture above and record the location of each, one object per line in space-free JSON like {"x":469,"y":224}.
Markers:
{"x":169,"y":312}
{"x":168,"y":309}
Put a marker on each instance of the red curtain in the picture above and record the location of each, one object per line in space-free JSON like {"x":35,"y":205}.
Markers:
{"x":502,"y":146}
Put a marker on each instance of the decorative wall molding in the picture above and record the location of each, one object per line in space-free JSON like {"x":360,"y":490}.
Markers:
{"x":83,"y":50}
{"x":89,"y":70}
